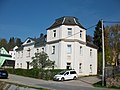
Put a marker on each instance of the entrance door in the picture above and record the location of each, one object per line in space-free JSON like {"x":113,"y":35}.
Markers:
{"x":28,"y":64}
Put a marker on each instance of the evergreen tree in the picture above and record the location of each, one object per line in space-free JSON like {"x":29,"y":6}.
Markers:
{"x":41,"y":35}
{"x":11,"y":43}
{"x":97,"y":39}
{"x":3,"y":43}
{"x":89,"y":38}
{"x":18,"y":42}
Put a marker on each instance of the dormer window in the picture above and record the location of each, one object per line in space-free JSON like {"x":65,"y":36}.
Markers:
{"x":54,"y":33}
{"x":69,"y":31}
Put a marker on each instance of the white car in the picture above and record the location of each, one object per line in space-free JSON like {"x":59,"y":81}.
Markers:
{"x":66,"y":75}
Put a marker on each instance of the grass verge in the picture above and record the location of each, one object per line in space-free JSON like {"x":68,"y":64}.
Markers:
{"x":26,"y":86}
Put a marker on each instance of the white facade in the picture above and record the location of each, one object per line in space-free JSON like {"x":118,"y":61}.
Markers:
{"x":71,"y":51}
{"x":66,"y":45}
{"x":23,"y":55}
{"x":13,"y":52}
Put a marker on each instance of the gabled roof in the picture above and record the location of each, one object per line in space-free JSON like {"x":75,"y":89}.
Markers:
{"x":3,"y":51}
{"x":28,"y":41}
{"x":66,"y":20}
{"x":37,"y":42}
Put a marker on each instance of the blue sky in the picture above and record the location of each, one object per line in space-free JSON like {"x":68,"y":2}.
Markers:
{"x":29,"y":18}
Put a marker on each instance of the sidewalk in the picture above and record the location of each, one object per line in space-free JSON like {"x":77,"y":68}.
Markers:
{"x":90,"y":80}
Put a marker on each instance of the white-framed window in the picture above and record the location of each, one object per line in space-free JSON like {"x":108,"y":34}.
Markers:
{"x":21,"y":54}
{"x":18,"y":65}
{"x":68,"y":66}
{"x":37,"y":50}
{"x":90,"y":68}
{"x":21,"y":65}
{"x":53,"y":49}
{"x":69,"y":49}
{"x":69,"y":31}
{"x":18,"y":54}
{"x":29,"y":41}
{"x":54,"y":33}
{"x":80,"y":67}
{"x":42,"y":49}
{"x":28,"y":51}
{"x":81,"y":50}
{"x":80,"y":34}
{"x":90,"y":52}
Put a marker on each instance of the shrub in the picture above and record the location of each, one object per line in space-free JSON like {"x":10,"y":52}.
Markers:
{"x":35,"y":73}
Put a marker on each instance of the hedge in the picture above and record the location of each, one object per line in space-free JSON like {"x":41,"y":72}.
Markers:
{"x":35,"y":73}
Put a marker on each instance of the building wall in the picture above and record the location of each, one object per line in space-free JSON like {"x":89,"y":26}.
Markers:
{"x":24,"y":56}
{"x":82,"y":62}
{"x":80,"y":57}
{"x":62,"y":33}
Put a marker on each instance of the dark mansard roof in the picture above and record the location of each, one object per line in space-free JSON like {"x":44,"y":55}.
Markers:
{"x":66,"y":20}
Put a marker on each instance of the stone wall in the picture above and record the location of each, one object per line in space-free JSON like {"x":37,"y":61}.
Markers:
{"x":113,"y":82}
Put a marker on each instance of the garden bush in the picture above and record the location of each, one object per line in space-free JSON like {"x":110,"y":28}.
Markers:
{"x":35,"y":73}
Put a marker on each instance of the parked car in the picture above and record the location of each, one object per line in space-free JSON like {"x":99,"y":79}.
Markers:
{"x":66,"y":75}
{"x":3,"y":74}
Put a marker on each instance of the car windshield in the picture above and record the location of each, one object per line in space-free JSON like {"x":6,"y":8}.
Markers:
{"x":61,"y":73}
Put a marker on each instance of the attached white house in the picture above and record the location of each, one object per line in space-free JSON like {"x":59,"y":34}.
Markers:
{"x":65,"y":44}
{"x":13,"y":52}
{"x":24,"y":54}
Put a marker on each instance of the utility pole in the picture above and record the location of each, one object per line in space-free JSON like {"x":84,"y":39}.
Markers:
{"x":103,"y":57}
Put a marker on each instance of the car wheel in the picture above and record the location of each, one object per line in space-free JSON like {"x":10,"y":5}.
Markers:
{"x":62,"y":79}
{"x":75,"y":78}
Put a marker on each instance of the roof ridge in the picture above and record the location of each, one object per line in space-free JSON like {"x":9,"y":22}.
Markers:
{"x":63,"y":20}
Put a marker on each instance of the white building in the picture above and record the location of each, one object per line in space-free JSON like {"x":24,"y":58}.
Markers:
{"x":13,"y":52}
{"x":66,"y":45}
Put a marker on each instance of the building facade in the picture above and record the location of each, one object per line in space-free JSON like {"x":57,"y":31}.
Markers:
{"x":65,"y":44}
{"x":6,"y":59}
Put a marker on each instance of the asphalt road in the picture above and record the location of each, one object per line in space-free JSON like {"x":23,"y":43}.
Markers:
{"x":53,"y":85}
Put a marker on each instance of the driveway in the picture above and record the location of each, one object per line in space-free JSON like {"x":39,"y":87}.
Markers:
{"x":79,"y":84}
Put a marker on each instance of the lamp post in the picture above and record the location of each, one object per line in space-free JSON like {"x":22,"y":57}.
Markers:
{"x":103,"y":57}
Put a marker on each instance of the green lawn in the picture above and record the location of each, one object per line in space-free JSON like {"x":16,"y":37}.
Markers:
{"x":3,"y":84}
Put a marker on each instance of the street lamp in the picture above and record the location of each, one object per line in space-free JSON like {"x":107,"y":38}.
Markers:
{"x":103,"y":57}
